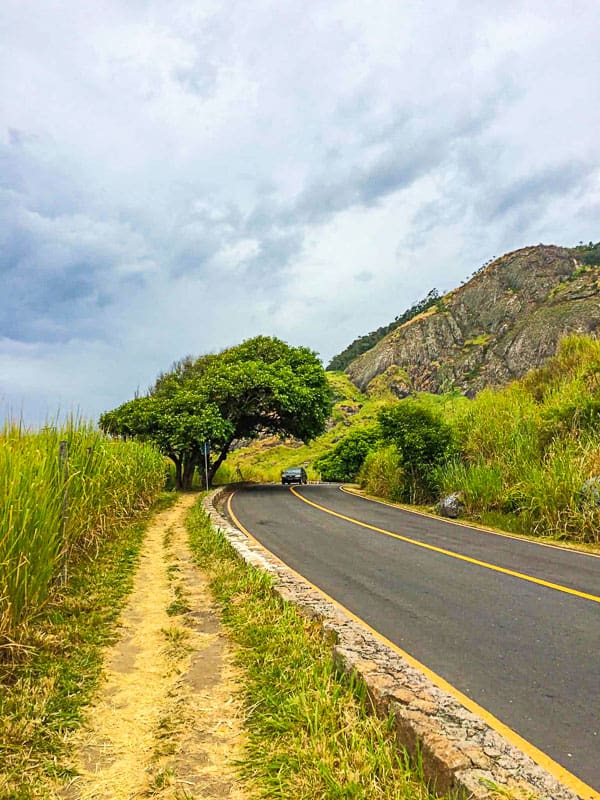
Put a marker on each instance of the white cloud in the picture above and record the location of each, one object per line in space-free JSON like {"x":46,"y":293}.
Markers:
{"x":177,"y":176}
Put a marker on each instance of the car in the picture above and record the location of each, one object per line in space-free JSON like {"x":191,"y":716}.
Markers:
{"x":294,"y":475}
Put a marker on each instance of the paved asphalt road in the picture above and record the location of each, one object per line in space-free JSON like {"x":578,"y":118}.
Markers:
{"x":527,"y":653}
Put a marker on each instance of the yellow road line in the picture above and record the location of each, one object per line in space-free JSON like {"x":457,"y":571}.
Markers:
{"x":553,"y":767}
{"x":469,"y":525}
{"x":451,"y":553}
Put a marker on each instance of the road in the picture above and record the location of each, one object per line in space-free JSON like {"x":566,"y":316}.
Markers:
{"x":518,"y":633}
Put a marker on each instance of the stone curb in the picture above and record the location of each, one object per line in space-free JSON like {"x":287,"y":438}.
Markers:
{"x":459,"y":752}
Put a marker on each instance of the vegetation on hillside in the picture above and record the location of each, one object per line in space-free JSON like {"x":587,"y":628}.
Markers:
{"x":589,"y":253}
{"x":58,"y":501}
{"x":525,"y":457}
{"x":260,"y":386}
{"x":363,"y":343}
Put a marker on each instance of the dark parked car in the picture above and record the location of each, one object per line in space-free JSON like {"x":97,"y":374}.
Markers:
{"x":294,"y":475}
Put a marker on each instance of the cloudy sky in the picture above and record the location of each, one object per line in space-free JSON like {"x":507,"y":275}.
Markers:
{"x":179,"y":175}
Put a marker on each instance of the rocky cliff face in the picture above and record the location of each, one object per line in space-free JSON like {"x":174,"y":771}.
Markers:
{"x":506,"y":320}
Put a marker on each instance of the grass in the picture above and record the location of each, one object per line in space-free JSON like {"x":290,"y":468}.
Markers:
{"x":62,"y":490}
{"x":309,"y":734}
{"x":265,"y":459}
{"x":59,"y":665}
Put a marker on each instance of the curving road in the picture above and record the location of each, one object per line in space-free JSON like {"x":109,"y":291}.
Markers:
{"x":512,"y":624}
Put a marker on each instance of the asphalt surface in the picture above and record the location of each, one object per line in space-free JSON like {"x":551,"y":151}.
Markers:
{"x":527,"y":653}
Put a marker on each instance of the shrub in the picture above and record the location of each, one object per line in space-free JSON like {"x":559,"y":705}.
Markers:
{"x":343,"y":461}
{"x":382,"y":474}
{"x":424,"y":442}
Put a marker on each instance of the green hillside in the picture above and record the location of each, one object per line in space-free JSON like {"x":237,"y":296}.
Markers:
{"x":524,"y":458}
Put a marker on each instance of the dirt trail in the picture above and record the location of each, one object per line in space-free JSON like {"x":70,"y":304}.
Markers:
{"x":167,"y":723}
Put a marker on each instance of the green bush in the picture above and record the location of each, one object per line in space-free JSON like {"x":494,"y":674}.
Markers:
{"x":424,"y":442}
{"x":343,"y":461}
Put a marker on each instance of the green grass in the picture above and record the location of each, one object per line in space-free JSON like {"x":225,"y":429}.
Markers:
{"x":48,"y":681}
{"x":63,"y":488}
{"x":309,"y":734}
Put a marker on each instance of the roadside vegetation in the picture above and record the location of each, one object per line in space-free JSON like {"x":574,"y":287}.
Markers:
{"x":525,"y":458}
{"x":64,"y":490}
{"x":197,"y":410}
{"x":309,"y":733}
{"x":46,"y":682}
{"x":265,"y":458}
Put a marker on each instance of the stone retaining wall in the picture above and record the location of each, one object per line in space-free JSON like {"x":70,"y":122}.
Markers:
{"x":459,"y":751}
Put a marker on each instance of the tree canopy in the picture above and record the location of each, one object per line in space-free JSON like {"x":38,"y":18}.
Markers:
{"x":260,"y":386}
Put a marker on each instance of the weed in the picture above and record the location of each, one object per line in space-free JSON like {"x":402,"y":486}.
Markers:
{"x":309,"y":733}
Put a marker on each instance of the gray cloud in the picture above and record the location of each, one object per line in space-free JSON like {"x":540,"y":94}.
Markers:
{"x":163,"y":164}
{"x":536,"y":189}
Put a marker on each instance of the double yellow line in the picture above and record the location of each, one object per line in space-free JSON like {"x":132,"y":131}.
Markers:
{"x":563,"y":775}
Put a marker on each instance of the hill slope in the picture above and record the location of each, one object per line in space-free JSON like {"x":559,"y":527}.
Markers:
{"x":363,"y":343}
{"x":506,"y":320}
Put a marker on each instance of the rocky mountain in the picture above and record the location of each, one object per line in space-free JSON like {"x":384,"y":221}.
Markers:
{"x":503,"y":322}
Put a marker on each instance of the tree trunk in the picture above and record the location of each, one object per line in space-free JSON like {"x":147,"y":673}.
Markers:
{"x":189,"y":468}
{"x":212,"y":468}
{"x":178,"y":470}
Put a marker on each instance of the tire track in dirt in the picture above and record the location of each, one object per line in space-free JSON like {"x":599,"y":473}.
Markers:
{"x":167,"y":722}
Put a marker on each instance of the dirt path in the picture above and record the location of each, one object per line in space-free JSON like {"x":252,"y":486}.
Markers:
{"x":166,"y":724}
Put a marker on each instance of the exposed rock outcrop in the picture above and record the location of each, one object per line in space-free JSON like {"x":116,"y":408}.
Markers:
{"x":505,"y":321}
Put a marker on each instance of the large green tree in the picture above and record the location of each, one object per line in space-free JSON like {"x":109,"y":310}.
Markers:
{"x":260,"y":386}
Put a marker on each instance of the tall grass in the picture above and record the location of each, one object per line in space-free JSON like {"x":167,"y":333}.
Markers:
{"x":381,"y":473}
{"x":525,"y":451}
{"x":55,"y":507}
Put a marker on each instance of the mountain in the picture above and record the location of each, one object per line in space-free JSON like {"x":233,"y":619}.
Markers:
{"x":363,"y":343}
{"x":507,"y":319}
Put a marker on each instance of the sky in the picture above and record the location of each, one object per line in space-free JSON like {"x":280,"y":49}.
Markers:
{"x":177,"y":176}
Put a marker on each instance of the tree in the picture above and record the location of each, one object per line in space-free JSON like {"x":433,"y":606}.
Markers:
{"x":423,"y":440}
{"x":260,"y":386}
